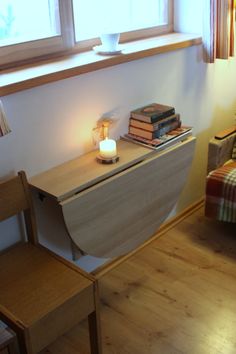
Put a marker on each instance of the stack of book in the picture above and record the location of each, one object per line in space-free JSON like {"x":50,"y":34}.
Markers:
{"x":156,"y":124}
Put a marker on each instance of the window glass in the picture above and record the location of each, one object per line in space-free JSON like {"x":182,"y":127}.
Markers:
{"x":37,"y":28}
{"x":27,"y":20}
{"x":93,"y":17}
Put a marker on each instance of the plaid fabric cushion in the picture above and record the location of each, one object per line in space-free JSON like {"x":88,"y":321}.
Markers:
{"x":221,"y":193}
{"x":234,"y":151}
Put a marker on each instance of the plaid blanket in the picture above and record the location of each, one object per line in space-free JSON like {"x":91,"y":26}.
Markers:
{"x":221,"y":193}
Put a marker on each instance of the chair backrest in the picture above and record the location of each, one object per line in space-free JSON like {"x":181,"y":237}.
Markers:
{"x":220,"y":151}
{"x":15,"y":198}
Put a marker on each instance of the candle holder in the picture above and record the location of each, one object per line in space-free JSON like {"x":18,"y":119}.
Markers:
{"x":107,"y":161}
{"x":107,"y":152}
{"x":107,"y":147}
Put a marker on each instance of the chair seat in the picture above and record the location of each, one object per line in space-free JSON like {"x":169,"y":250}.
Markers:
{"x":7,"y":341}
{"x":221,"y":193}
{"x":42,"y":295}
{"x":48,"y":291}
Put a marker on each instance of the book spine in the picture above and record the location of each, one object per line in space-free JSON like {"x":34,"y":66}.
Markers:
{"x":157,"y":133}
{"x":138,"y":142}
{"x":153,"y":118}
{"x":154,"y":142}
{"x":180,"y":135}
{"x":154,"y":126}
{"x":172,"y":119}
{"x":166,"y":129}
{"x":162,"y":144}
{"x":141,"y":132}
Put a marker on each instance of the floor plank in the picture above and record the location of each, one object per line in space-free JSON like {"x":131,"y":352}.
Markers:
{"x":175,"y":296}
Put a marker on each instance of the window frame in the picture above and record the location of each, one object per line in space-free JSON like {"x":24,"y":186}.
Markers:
{"x":134,"y":35}
{"x":22,"y":52}
{"x":63,"y":44}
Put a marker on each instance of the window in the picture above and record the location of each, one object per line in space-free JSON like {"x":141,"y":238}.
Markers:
{"x":17,"y":26}
{"x":33,"y":28}
{"x":120,"y":16}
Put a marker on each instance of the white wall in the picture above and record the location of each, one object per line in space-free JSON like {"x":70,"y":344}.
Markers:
{"x":188,"y":15}
{"x":53,"y":123}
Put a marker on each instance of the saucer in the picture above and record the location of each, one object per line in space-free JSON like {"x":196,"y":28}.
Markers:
{"x":99,"y":50}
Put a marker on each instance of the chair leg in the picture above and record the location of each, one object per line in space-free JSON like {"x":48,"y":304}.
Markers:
{"x":95,"y":333}
{"x":94,"y":324}
{"x":7,"y":341}
{"x":23,"y":343}
{"x":13,"y":348}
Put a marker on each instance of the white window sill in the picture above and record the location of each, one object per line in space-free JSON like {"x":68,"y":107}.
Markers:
{"x":28,"y":76}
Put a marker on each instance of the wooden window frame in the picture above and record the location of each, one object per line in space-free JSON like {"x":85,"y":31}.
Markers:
{"x":133,"y":35}
{"x":18,"y":54}
{"x":22,"y":52}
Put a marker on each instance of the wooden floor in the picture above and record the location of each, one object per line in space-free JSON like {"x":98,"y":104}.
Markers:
{"x":177,"y":295}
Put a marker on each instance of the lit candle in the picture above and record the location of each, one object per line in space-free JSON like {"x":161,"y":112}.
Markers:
{"x":107,"y":148}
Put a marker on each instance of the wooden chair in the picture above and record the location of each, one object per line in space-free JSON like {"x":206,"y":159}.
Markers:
{"x":42,"y":296}
{"x":220,"y":200}
{"x":8,"y":343}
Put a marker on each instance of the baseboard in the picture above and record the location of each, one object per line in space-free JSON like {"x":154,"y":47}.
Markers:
{"x":170,"y":223}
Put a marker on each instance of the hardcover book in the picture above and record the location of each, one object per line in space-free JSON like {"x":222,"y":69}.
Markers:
{"x":165,"y":141}
{"x":153,"y":112}
{"x":151,"y":127}
{"x":156,"y":133}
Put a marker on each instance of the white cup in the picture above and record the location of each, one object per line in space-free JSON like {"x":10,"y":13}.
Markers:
{"x":110,"y":41}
